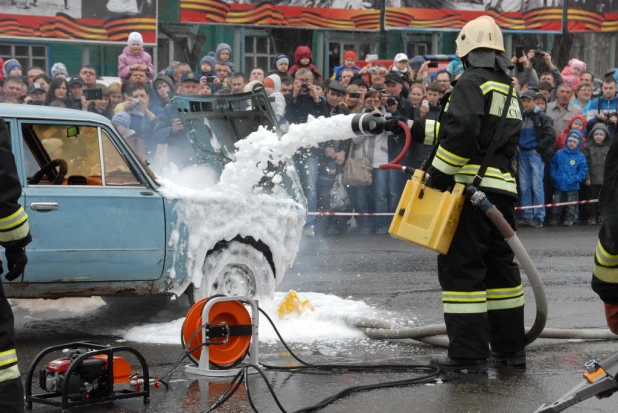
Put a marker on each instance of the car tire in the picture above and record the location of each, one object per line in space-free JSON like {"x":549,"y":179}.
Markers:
{"x":235,"y":269}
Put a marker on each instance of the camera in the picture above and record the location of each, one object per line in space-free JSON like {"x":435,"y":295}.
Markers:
{"x":354,"y":95}
{"x":391,"y":100}
{"x":538,"y":52}
{"x":373,"y":70}
{"x":135,"y":101}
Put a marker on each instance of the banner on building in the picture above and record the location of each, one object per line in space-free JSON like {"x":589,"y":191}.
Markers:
{"x":86,"y":20}
{"x":325,"y":14}
{"x":511,"y":15}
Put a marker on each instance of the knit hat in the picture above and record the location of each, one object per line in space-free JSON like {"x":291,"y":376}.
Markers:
{"x":350,"y":54}
{"x":10,"y":65}
{"x":135,"y":38}
{"x":581,"y":122}
{"x":574,"y":135}
{"x":210,"y":60}
{"x":577,"y":64}
{"x":221,"y":47}
{"x":417,"y":62}
{"x":280,"y":58}
{"x":59,"y":69}
{"x":166,"y":79}
{"x":122,"y":119}
{"x":276,"y":82}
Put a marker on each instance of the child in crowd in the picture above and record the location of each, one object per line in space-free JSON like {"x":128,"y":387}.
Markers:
{"x":577,"y":122}
{"x":134,"y":57}
{"x":401,"y":66}
{"x":349,"y":61}
{"x":571,"y":73}
{"x":207,"y":66}
{"x":281,"y":64}
{"x":224,"y":54}
{"x":595,"y":151}
{"x":568,"y":169}
{"x":272,"y":85}
{"x":12,"y":68}
{"x":303,"y":58}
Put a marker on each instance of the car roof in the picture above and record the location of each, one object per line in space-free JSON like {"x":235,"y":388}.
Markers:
{"x":12,"y":110}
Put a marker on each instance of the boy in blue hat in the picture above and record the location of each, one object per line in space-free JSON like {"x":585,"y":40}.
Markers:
{"x":568,"y":169}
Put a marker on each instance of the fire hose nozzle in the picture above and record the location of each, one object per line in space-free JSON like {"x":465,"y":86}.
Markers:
{"x":365,"y":124}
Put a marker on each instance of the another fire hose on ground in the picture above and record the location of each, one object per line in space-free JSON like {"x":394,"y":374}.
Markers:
{"x":433,"y":234}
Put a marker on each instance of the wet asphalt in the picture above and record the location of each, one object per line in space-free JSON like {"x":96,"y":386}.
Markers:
{"x":391,"y":275}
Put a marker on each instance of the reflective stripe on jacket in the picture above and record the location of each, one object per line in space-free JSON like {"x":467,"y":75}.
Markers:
{"x":470,"y":120}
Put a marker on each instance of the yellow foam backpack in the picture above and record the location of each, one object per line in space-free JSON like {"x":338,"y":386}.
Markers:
{"x":426,"y":216}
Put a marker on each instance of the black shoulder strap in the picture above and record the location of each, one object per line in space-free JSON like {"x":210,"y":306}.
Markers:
{"x":495,"y":141}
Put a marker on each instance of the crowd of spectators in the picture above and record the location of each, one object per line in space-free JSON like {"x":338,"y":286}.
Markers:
{"x":565,"y":134}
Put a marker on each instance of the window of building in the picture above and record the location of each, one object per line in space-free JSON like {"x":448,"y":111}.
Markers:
{"x":28,"y":55}
{"x":259,"y":52}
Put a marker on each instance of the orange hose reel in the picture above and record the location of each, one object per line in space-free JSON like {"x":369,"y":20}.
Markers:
{"x":230,"y":324}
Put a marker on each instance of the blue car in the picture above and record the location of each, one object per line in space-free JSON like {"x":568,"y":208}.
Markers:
{"x":104,"y":224}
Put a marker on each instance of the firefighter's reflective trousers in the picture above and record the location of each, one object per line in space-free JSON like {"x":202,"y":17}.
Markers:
{"x":481,"y":286}
{"x":11,"y":388}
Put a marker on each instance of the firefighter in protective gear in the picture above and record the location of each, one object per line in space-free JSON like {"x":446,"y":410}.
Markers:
{"x":605,"y":275}
{"x":481,"y":285}
{"x":14,"y":236}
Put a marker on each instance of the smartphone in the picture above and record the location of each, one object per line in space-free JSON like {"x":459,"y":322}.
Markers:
{"x":425,"y":102}
{"x":371,"y":57}
{"x":519,"y":52}
{"x":210,"y":79}
{"x":354,"y":95}
{"x":93,"y":94}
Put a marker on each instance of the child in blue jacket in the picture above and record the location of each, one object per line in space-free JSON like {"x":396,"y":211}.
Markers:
{"x":568,"y":169}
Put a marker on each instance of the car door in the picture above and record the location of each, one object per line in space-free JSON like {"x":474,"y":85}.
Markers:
{"x":99,"y":222}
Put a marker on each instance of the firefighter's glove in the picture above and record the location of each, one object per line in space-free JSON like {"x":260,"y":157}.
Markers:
{"x":16,"y":261}
{"x":392,"y":125}
{"x":611,"y":314}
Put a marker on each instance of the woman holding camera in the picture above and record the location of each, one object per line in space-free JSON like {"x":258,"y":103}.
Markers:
{"x":352,"y":99}
{"x":101,"y":106}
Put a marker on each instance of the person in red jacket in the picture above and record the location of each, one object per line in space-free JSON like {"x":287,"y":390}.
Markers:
{"x":304,"y":58}
{"x":577,"y":122}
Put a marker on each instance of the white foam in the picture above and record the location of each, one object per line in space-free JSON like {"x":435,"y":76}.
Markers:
{"x":326,"y":324}
{"x":72,"y":305}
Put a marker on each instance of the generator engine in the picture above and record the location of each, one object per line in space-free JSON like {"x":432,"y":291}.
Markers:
{"x":90,"y":379}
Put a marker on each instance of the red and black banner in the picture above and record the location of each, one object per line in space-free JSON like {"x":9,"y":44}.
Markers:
{"x":512,"y":15}
{"x":87,"y":20}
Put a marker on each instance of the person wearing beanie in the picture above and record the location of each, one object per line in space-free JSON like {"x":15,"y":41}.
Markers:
{"x":349,"y":62}
{"x":577,"y":122}
{"x":418,"y":66}
{"x":223,"y":55}
{"x":281,"y":64}
{"x":133,"y":57}
{"x":272,"y":86}
{"x":302,"y":59}
{"x":163,"y":85}
{"x":12,"y":68}
{"x":568,"y":169}
{"x":207,"y":66}
{"x":59,"y":70}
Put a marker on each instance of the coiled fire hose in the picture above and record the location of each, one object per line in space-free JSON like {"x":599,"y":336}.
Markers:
{"x":363,"y":124}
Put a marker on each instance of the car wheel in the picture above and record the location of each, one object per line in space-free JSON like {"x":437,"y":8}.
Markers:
{"x":236,"y":269}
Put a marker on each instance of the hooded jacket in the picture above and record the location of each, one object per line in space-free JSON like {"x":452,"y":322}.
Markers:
{"x":301,"y":53}
{"x":221,"y":47}
{"x":561,"y":139}
{"x":596,"y":154}
{"x":127,"y":59}
{"x":277,"y":100}
{"x":568,"y":166}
